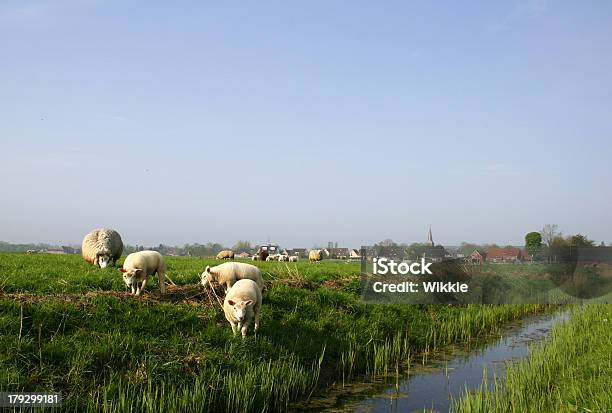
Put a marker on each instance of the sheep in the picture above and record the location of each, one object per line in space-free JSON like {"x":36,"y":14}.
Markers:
{"x":293,"y":258}
{"x":283,"y":258}
{"x":315,"y":255}
{"x":225,"y":255}
{"x":242,"y":306}
{"x":255,"y":257}
{"x":31,"y":252}
{"x":227,"y":274}
{"x":139,"y":265}
{"x":101,"y":246}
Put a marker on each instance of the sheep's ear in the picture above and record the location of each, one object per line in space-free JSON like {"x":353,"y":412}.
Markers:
{"x":122,"y":270}
{"x":207,"y":268}
{"x":138,"y":270}
{"x":231,"y":302}
{"x":248,"y":302}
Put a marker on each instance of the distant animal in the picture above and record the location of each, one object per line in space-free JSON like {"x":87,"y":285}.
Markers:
{"x":31,"y":252}
{"x":242,"y":306}
{"x":263,"y":254}
{"x":102,"y":247}
{"x":225,"y":255}
{"x":255,"y":257}
{"x":228,"y":273}
{"x":315,"y":255}
{"x":293,"y":258}
{"x":138,"y":266}
{"x":283,"y":258}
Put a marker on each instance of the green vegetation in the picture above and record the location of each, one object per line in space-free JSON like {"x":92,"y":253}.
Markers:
{"x":533,"y":244}
{"x":572,"y":372}
{"x":68,"y":326}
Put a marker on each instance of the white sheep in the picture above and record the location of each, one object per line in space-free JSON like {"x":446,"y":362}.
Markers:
{"x":225,"y":255}
{"x":283,"y":258}
{"x":293,"y":258}
{"x":101,"y":246}
{"x":139,"y":265}
{"x":315,"y":255}
{"x":228,"y":273}
{"x":242,"y":306}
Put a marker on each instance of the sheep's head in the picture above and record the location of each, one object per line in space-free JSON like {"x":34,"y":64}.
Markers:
{"x":131,"y":276}
{"x":206,"y":277}
{"x":103,"y":260}
{"x":239,"y":308}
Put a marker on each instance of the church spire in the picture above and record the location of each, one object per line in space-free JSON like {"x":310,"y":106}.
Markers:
{"x":430,"y":238}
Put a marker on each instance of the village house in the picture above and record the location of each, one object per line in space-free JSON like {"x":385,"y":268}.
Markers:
{"x":477,"y":257}
{"x":507,"y":254}
{"x":338,"y":253}
{"x":354,"y":254}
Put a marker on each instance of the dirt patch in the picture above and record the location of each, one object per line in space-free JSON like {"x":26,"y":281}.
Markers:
{"x":189,"y":294}
{"x":337,"y":283}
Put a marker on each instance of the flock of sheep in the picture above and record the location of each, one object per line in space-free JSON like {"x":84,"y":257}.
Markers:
{"x":242,"y":282}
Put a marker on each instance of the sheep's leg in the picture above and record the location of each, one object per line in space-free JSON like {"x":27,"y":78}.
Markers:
{"x":256,"y":326}
{"x":133,"y":289}
{"x":142,"y":286}
{"x":234,"y":328}
{"x":245,"y":327}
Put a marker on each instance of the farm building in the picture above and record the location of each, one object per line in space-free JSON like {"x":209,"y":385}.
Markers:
{"x":339,"y":253}
{"x":477,"y":257}
{"x":507,"y":254}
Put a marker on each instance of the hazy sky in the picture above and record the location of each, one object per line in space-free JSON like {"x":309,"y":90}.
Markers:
{"x":305,"y":122}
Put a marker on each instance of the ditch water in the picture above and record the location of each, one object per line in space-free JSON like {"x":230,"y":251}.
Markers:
{"x":433,"y":386}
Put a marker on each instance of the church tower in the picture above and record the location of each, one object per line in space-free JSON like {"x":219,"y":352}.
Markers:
{"x":430,"y":241}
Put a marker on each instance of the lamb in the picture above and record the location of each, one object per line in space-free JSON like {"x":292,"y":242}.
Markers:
{"x":101,"y":247}
{"x":315,"y":255}
{"x":227,"y":274}
{"x":283,"y":258}
{"x":293,"y":258}
{"x":225,"y":254}
{"x":139,"y":265}
{"x":242,"y":306}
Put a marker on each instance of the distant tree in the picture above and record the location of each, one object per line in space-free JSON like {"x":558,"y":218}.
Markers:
{"x":387,"y":243}
{"x":533,"y":244}
{"x":242,"y":246}
{"x":548,"y":234}
{"x":580,"y":240}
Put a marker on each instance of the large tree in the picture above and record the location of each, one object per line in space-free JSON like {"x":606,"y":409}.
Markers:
{"x":533,"y":244}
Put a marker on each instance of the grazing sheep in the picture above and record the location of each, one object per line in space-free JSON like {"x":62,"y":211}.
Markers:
{"x":255,"y":257}
{"x":283,"y":258}
{"x":31,"y":252}
{"x":293,"y":258}
{"x":225,"y":255}
{"x":227,"y":274}
{"x":139,"y":265}
{"x":101,"y":246}
{"x":315,"y":255}
{"x":242,"y":306}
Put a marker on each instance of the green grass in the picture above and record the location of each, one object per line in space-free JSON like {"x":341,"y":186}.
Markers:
{"x":572,"y":372}
{"x":68,"y":326}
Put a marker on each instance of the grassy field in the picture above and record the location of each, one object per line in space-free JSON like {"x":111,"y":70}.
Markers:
{"x":570,"y":373}
{"x":68,"y":326}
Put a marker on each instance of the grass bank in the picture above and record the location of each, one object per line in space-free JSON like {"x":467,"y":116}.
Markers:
{"x":572,"y":372}
{"x":70,"y":327}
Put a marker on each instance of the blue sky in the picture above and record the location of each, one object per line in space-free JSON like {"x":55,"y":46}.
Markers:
{"x":305,"y":122}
